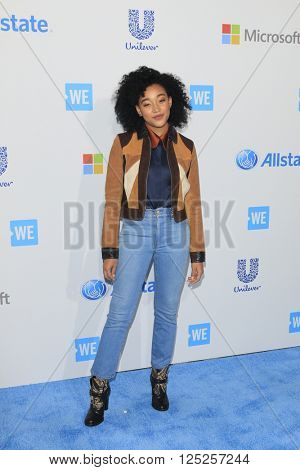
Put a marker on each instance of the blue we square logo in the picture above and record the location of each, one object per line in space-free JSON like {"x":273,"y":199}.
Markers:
{"x":258,"y":218}
{"x":86,"y":348}
{"x":202,"y":97}
{"x":199,"y":334}
{"x":24,"y":232}
{"x":294,"y":322}
{"x":79,"y":96}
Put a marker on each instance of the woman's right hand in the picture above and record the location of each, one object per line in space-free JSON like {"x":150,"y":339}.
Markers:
{"x":109,"y":268}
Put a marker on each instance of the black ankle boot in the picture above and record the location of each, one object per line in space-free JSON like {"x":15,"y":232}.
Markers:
{"x":159,"y":380}
{"x":99,"y":393}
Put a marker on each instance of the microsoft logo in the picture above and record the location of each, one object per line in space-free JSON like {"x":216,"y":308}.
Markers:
{"x":92,"y":163}
{"x":231,"y":34}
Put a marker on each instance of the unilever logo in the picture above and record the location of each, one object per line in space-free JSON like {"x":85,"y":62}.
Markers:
{"x":3,"y":160}
{"x":246,"y":159}
{"x":247,"y":277}
{"x":140,"y":33}
{"x":242,"y":273}
{"x":94,"y":289}
{"x":3,"y":167}
{"x":134,"y":28}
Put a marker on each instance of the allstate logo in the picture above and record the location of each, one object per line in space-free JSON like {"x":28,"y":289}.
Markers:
{"x":94,"y":289}
{"x":3,"y":160}
{"x":247,"y":277}
{"x":246,"y":159}
{"x":134,"y":28}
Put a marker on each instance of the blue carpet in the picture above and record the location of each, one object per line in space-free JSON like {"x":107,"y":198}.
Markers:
{"x":245,"y":402}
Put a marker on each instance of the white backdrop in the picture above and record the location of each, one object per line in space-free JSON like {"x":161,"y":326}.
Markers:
{"x":245,"y":97}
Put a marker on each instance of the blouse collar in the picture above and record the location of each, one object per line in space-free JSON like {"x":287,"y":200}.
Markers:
{"x":155,"y":139}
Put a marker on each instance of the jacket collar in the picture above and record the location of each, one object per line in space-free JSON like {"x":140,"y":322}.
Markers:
{"x":143,"y":132}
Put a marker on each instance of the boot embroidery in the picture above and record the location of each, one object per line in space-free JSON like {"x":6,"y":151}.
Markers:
{"x":97,"y":392}
{"x":158,"y":388}
{"x":161,"y":375}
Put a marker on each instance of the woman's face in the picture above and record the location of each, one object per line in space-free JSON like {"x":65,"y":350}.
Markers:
{"x":155,"y":105}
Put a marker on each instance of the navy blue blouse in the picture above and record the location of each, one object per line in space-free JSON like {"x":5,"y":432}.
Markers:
{"x":159,"y":179}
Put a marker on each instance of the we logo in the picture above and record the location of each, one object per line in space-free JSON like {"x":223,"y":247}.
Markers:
{"x":24,"y":232}
{"x":199,"y":334}
{"x":258,"y":218}
{"x":86,"y":348}
{"x":79,"y":96}
{"x":202,"y":97}
{"x":294,"y":322}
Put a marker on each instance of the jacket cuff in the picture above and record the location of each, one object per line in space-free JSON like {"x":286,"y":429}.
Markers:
{"x":197,"y":256}
{"x":109,"y":252}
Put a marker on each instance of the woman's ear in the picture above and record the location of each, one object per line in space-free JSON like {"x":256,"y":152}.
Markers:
{"x":138,"y":110}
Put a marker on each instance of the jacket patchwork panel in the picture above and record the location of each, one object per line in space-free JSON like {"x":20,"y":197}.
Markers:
{"x":126,"y":187}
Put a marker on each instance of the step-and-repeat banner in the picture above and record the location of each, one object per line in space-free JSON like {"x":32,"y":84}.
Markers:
{"x":60,"y":64}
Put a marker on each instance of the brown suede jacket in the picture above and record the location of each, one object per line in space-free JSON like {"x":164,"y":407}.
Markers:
{"x":126,"y":187}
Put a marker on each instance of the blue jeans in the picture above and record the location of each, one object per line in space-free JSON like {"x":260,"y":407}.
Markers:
{"x":159,"y":238}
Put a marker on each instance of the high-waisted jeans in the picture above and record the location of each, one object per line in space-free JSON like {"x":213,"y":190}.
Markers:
{"x":158,"y":238}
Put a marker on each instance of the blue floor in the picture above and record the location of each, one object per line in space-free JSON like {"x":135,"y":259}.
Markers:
{"x":244,"y":402}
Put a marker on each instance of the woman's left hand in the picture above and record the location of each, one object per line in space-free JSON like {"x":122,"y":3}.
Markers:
{"x":197,"y":272}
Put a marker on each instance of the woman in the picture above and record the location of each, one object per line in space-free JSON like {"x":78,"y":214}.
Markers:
{"x":152,"y":184}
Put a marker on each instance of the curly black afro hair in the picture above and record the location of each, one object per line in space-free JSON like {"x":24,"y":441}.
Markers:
{"x":132,"y":87}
